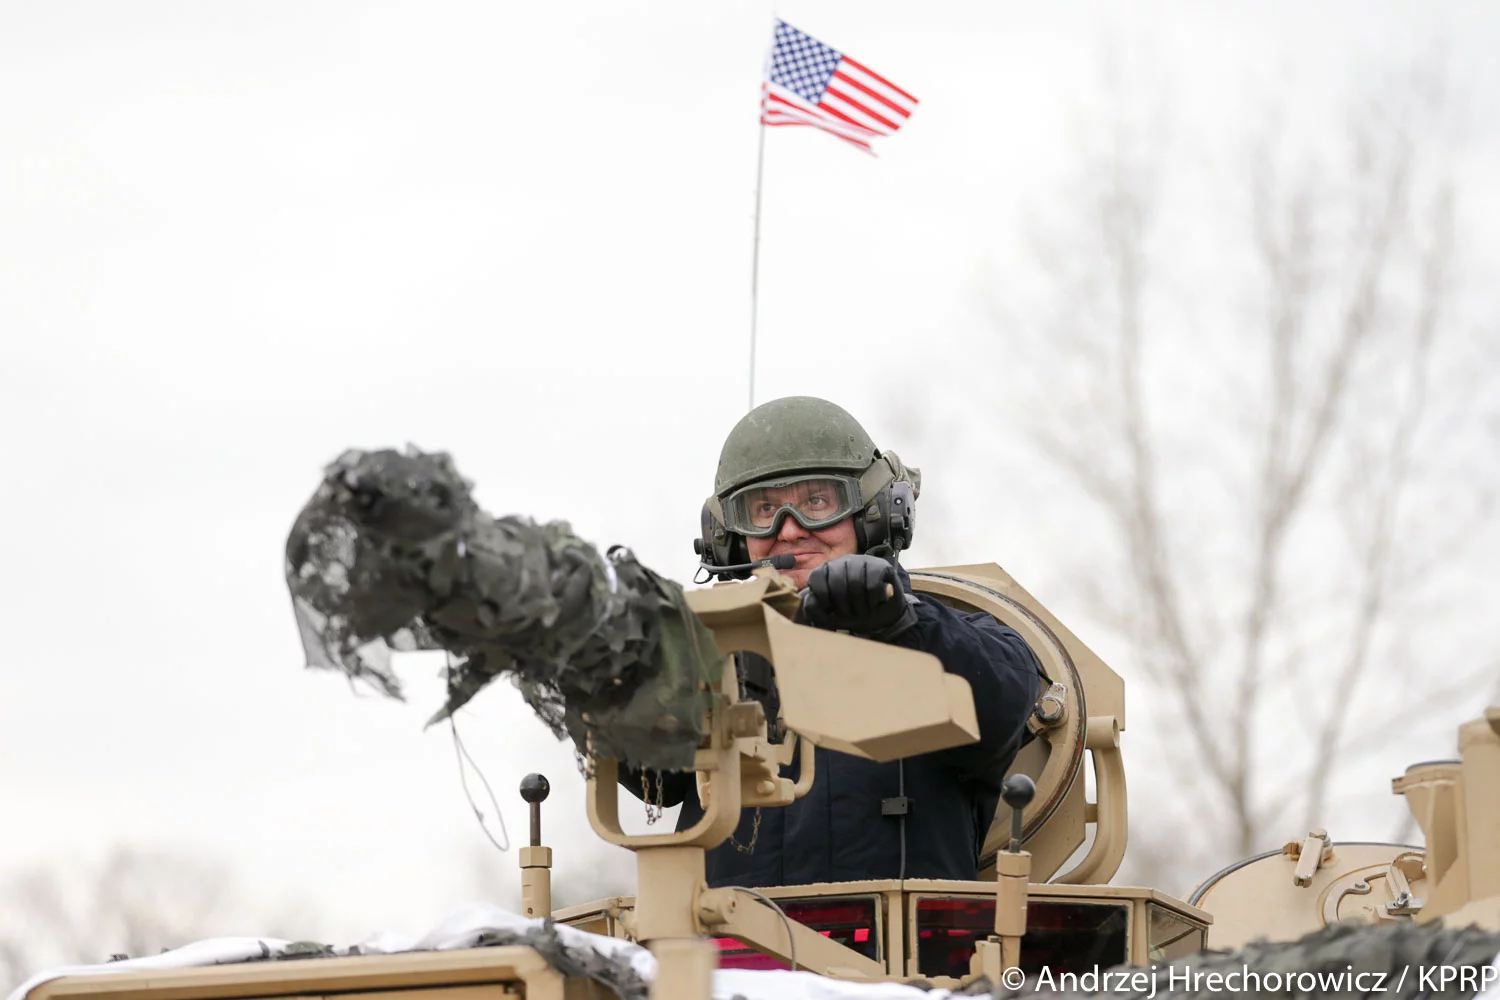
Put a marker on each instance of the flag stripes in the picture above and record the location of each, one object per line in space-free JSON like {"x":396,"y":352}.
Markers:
{"x":813,"y":84}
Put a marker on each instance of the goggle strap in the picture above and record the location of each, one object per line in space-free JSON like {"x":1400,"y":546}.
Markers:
{"x":877,"y":477}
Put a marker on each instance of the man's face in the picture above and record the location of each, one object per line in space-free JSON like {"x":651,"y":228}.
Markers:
{"x":812,"y":548}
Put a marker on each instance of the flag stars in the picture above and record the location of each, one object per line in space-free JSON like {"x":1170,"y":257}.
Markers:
{"x":801,"y":63}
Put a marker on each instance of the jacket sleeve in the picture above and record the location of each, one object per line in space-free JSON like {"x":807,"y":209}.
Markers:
{"x":675,"y":785}
{"x":1003,"y":674}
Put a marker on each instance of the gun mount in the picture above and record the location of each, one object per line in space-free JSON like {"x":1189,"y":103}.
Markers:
{"x":938,"y":931}
{"x":907,"y":705}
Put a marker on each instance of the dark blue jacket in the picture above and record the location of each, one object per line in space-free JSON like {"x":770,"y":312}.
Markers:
{"x":837,"y":832}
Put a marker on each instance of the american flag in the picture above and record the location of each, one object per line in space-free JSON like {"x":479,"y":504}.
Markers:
{"x":809,"y":83}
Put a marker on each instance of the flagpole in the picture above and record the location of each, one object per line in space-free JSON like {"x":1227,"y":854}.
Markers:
{"x":760,"y":166}
{"x":760,"y":170}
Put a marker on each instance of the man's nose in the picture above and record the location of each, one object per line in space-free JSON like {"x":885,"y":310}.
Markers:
{"x":791,"y":530}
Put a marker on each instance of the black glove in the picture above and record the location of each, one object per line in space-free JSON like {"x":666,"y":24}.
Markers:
{"x":858,"y":594}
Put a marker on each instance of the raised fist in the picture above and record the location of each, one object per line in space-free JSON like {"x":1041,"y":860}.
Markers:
{"x":858,"y":594}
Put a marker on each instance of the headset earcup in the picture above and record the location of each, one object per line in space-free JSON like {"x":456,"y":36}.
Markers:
{"x":705,"y":544}
{"x":886,"y":526}
{"x":902,"y":514}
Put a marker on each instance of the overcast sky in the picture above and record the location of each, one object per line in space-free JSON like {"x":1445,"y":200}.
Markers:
{"x":237,"y":238}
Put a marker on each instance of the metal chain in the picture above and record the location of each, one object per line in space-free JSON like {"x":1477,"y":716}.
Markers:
{"x":754,"y":836}
{"x":653,"y":809}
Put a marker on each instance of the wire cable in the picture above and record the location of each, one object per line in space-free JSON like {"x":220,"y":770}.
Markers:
{"x":901,"y":791}
{"x":785,"y":920}
{"x":461,"y":753}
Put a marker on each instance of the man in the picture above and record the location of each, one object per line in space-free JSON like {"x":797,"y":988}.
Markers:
{"x":800,"y":476}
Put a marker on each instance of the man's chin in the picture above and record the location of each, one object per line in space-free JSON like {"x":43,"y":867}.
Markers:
{"x":804,"y":569}
{"x":797,"y":576}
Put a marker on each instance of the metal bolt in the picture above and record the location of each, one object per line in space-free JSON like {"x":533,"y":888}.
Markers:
{"x":1052,"y":706}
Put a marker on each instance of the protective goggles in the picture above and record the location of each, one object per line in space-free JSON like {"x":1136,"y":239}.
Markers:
{"x":816,"y":502}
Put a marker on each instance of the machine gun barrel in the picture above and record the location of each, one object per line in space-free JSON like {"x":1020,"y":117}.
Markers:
{"x":392,"y":553}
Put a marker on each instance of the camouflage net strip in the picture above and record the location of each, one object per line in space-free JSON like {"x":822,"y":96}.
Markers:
{"x":392,"y":553}
{"x":574,"y":962}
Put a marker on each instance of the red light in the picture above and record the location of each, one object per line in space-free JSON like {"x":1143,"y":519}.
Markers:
{"x":734,"y":955}
{"x":947,"y":929}
{"x":848,"y":921}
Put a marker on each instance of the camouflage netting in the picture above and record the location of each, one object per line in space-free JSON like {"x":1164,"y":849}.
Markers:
{"x":574,"y":961}
{"x":392,"y":553}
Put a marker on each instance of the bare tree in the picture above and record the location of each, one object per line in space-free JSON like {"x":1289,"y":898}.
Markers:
{"x":135,"y":902}
{"x":1273,"y":418}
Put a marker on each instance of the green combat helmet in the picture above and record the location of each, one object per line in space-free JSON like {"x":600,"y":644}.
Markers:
{"x":799,"y":440}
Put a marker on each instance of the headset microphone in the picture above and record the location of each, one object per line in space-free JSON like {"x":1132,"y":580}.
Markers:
{"x":783,"y":560}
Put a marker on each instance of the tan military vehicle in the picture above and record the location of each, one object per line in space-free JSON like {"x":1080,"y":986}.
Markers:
{"x":1041,"y":904}
{"x":1044,"y":901}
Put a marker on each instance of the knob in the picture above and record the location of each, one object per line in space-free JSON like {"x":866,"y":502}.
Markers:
{"x":534,"y":788}
{"x":1018,"y":791}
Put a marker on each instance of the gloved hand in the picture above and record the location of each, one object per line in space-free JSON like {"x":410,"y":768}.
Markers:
{"x":850,"y":594}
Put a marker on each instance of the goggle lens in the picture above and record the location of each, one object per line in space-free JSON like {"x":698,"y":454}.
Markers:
{"x":816,"y":502}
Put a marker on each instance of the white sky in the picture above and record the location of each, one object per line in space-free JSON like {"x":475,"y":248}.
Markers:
{"x":240,"y":237}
